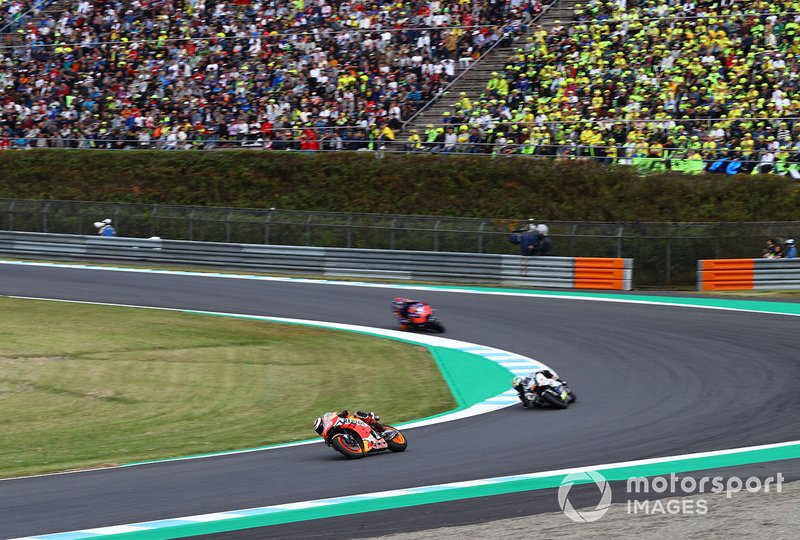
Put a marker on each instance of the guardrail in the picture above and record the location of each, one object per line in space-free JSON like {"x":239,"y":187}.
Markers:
{"x":560,"y":272}
{"x":747,"y":274}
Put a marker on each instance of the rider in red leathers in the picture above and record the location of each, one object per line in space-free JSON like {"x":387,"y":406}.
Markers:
{"x":369,"y":417}
{"x":400,"y":308}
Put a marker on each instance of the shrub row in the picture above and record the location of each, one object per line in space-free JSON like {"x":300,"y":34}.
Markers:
{"x":396,"y":184}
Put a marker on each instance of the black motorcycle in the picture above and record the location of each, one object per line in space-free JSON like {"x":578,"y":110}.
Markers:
{"x":553,"y":392}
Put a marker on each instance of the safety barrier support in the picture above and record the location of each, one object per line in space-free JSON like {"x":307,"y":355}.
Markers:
{"x":747,"y":274}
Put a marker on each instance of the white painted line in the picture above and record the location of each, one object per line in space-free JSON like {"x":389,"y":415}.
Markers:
{"x":303,"y":505}
{"x":216,"y":516}
{"x":117,"y":529}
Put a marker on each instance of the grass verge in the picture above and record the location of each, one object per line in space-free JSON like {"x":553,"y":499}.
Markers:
{"x":85,"y":386}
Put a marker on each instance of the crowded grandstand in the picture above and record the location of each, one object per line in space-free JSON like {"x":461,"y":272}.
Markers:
{"x":694,"y":86}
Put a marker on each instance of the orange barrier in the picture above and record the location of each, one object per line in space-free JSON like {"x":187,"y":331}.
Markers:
{"x":601,"y":273}
{"x":725,"y":274}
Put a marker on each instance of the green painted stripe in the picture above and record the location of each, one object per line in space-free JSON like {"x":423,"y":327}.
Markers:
{"x":471,"y":378}
{"x":503,"y":486}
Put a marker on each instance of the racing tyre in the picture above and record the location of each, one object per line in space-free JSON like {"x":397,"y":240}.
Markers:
{"x":554,"y":401}
{"x":436,"y":327}
{"x":398,"y":442}
{"x":572,"y":398}
{"x":350,"y":447}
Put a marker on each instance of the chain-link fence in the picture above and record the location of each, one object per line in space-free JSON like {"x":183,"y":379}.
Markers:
{"x":665,"y":254}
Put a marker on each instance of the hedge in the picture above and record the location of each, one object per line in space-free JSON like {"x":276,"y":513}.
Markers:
{"x":469,"y":186}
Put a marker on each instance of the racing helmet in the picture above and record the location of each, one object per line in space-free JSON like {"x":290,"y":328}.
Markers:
{"x":547,"y":373}
{"x":398,"y":302}
{"x":516,"y":381}
{"x":319,"y":425}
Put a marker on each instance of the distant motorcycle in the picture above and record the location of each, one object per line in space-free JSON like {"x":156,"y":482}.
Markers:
{"x":420,"y":316}
{"x":551,"y":392}
{"x":354,"y":438}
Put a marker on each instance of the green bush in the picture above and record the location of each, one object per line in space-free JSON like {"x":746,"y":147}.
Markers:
{"x":469,"y":186}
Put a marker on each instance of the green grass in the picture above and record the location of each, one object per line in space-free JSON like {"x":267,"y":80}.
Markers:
{"x":85,"y":386}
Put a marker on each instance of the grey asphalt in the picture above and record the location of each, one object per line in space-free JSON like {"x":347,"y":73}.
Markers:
{"x":651,"y":380}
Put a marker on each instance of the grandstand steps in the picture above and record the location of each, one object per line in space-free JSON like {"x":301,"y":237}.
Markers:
{"x":57,"y":7}
{"x":473,"y":81}
{"x":53,"y":9}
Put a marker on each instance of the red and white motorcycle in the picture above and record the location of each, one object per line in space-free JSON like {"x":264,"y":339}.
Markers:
{"x":354,"y":438}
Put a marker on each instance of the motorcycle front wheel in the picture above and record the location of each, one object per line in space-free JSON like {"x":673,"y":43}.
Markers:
{"x":436,"y":327}
{"x":554,"y":401}
{"x":398,"y":443}
{"x":350,"y":446}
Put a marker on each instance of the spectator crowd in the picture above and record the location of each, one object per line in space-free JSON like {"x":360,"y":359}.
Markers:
{"x":702,"y":85}
{"x":777,"y":249}
{"x":708,"y":84}
{"x":283,"y":74}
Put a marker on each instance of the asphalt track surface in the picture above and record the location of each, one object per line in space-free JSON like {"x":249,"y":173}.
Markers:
{"x":651,"y":380}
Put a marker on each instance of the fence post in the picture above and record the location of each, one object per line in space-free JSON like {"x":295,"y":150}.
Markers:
{"x":266,"y":225}
{"x":481,"y":228}
{"x":620,"y":232}
{"x":153,"y":221}
{"x":191,"y":225}
{"x":436,"y":235}
{"x":228,"y":225}
{"x":308,"y":228}
{"x":668,"y":270}
{"x":116,"y":217}
{"x":349,"y":231}
{"x":391,"y":232}
{"x":45,"y":211}
{"x":572,"y":234}
{"x":11,"y":215}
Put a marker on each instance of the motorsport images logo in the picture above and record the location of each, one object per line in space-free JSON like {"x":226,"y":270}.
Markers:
{"x":584,"y":477}
{"x":684,"y":491}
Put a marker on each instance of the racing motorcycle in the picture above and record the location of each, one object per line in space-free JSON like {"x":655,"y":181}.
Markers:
{"x":354,"y":438}
{"x":552,"y":392}
{"x":421,"y":317}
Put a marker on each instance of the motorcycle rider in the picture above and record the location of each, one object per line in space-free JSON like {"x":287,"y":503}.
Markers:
{"x":540,"y":377}
{"x":369,"y":417}
{"x":400,"y":307}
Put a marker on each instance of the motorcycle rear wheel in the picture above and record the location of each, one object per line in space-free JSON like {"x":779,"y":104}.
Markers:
{"x":554,"y":401}
{"x":398,"y":443}
{"x":348,"y":450}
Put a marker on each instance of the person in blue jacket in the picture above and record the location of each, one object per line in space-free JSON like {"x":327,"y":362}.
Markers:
{"x":105,"y":228}
{"x":791,"y":249}
{"x":528,"y":239}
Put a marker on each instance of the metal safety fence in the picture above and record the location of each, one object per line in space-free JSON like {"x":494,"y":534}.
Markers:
{"x":558,"y":272}
{"x":748,"y":274}
{"x":666,"y":254}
